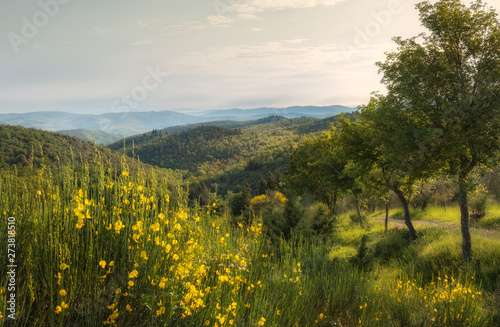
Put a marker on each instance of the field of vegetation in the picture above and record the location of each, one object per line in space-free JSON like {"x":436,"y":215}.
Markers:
{"x":98,"y":245}
{"x":389,"y":216}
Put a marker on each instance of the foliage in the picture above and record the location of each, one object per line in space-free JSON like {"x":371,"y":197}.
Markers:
{"x":478,"y":202}
{"x":263,"y":202}
{"x":312,"y":222}
{"x":115,"y":245}
{"x":448,"y":85}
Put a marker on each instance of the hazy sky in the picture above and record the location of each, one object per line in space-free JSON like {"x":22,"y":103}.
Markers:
{"x":115,"y":55}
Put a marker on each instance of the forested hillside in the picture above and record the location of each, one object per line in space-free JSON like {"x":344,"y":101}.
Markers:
{"x":224,"y":158}
{"x":27,"y":148}
{"x":96,"y":136}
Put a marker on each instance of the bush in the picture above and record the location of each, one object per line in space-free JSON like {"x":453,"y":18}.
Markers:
{"x":392,"y":245}
{"x":314,"y":221}
{"x":478,"y":202}
{"x":317,"y":221}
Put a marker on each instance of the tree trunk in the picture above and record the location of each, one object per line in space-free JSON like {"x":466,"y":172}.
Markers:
{"x":358,"y":212}
{"x":386,"y":215}
{"x":464,"y":218}
{"x":404,"y":203}
{"x":408,"y":223}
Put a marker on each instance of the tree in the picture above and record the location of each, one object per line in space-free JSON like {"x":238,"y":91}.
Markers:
{"x":384,"y":140}
{"x":241,"y":201}
{"x":312,"y":168}
{"x":328,"y":166}
{"x":450,"y":82}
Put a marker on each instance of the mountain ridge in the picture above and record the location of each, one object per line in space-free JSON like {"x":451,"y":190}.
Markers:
{"x":137,"y":122}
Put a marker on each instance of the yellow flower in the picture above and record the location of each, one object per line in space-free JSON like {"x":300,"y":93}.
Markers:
{"x":129,"y":308}
{"x":261,"y":322}
{"x":64,"y":305}
{"x":144,"y":255}
{"x":109,"y":227}
{"x":102,"y":263}
{"x":160,"y":311}
{"x":63,"y":292}
{"x":119,"y":226}
{"x":58,"y":309}
{"x":124,"y":173}
{"x":63,"y":266}
{"x":112,"y":263}
{"x":130,"y":284}
{"x":134,"y":273}
{"x":155,"y":227}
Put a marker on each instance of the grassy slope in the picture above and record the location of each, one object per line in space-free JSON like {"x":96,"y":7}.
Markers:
{"x":179,"y":266}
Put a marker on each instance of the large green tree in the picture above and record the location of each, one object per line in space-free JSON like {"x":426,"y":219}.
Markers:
{"x":386,"y":140}
{"x":449,"y":79}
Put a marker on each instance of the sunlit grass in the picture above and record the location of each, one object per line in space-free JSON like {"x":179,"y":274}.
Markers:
{"x":448,"y":215}
{"x":99,"y":246}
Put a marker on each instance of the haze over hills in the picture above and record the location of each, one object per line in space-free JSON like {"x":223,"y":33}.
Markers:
{"x":132,"y":123}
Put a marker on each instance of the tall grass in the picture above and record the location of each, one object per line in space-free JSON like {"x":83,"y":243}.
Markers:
{"x":102,"y":246}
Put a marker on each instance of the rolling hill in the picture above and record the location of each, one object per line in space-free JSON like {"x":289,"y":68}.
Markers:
{"x":132,"y":123}
{"x":223,"y":157}
{"x":25,"y":148}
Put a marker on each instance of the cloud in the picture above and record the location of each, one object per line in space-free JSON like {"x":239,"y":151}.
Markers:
{"x":295,"y":59}
{"x":251,"y":8}
{"x":248,"y":16}
{"x":219,"y":20}
{"x":257,"y":29}
{"x":98,"y":31}
{"x":255,"y":6}
{"x":149,"y":22}
{"x":146,"y":41}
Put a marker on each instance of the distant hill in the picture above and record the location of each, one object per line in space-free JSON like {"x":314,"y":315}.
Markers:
{"x":289,"y":112}
{"x":230,"y":124}
{"x":28,"y":147}
{"x":226,"y":157}
{"x":100,"y":137}
{"x":125,"y":123}
{"x":132,"y":123}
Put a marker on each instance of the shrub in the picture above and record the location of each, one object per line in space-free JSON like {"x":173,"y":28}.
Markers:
{"x":478,"y":203}
{"x":314,"y":221}
{"x":392,"y":245}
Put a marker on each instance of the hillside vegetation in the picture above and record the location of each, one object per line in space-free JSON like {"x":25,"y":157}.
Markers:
{"x":224,"y":158}
{"x":389,"y":216}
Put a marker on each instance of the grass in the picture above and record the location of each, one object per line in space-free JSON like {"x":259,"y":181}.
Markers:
{"x":449,"y":215}
{"x":103,"y":246}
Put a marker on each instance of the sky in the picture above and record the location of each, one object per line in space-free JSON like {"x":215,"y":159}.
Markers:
{"x":98,"y":56}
